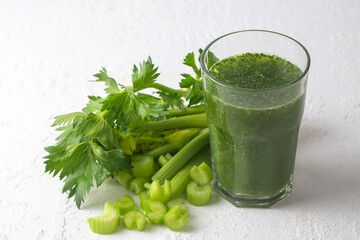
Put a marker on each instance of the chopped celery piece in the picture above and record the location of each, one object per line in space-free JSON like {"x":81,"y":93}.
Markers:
{"x":147,"y":185}
{"x":168,"y":156}
{"x":137,"y":184}
{"x":157,"y":211}
{"x":108,"y":223}
{"x":124,"y":177}
{"x":126,"y":205}
{"x":198,"y":196}
{"x":176,"y":218}
{"x":177,"y":202}
{"x":162,"y":160}
{"x":143,"y":166}
{"x":201,"y":174}
{"x":182,"y":177}
{"x":160,"y":192}
{"x":144,"y":200}
{"x":135,"y":219}
{"x":110,"y":209}
{"x":182,"y":157}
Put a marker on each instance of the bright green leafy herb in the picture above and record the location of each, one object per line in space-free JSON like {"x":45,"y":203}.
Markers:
{"x":194,"y":83}
{"x":195,"y":95}
{"x":82,"y":162}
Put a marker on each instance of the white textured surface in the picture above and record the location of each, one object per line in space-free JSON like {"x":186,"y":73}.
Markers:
{"x":49,"y":50}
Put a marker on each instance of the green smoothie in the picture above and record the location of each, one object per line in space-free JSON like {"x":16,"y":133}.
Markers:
{"x":253,"y":148}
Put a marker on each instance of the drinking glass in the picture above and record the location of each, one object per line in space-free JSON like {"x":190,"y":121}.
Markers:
{"x":254,"y":132}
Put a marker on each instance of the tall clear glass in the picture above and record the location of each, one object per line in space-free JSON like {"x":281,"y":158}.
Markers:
{"x":254,"y":132}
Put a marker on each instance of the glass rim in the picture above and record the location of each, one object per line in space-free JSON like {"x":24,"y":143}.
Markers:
{"x":205,"y":70}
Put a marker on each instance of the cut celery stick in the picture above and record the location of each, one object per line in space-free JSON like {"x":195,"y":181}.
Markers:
{"x":198,"y":196}
{"x":108,"y":223}
{"x":160,"y":192}
{"x":177,"y":202}
{"x":137,"y":184}
{"x":144,"y":199}
{"x":135,"y":219}
{"x":124,"y":177}
{"x":162,"y":160}
{"x":126,"y":205}
{"x":201,"y":174}
{"x":168,"y":156}
{"x":143,"y":166}
{"x":157,"y":212}
{"x":175,"y":219}
{"x":147,"y":185}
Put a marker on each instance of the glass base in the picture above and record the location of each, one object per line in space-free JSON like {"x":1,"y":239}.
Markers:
{"x":240,"y":200}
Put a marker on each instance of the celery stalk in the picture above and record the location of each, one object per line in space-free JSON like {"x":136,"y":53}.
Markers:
{"x":182,"y":178}
{"x":168,"y":156}
{"x":187,"y":111}
{"x":196,"y":120}
{"x":182,"y":157}
{"x":162,"y":160}
{"x":161,"y":150}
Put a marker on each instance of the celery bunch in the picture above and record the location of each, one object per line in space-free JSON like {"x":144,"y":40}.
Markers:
{"x":128,"y":134}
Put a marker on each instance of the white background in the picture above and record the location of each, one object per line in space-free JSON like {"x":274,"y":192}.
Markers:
{"x":50,"y":49}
